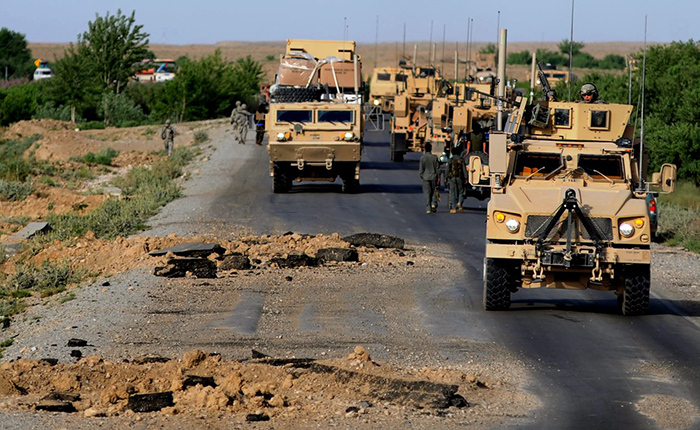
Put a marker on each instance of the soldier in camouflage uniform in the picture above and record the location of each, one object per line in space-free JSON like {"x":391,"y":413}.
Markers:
{"x":242,"y":122}
{"x":168,"y":136}
{"x":234,"y":120}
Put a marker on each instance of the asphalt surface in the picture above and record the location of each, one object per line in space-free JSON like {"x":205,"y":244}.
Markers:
{"x":586,"y":358}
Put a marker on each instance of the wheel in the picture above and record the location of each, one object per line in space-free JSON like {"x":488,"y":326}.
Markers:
{"x":635,"y":298}
{"x":281,"y":182}
{"x":499,"y":280}
{"x":396,"y":156}
{"x":296,"y":95}
{"x":350,"y":184}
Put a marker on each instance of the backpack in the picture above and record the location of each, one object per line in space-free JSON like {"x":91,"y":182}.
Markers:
{"x":455,"y":167}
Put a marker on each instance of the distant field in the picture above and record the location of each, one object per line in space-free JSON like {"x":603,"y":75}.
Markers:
{"x":387,"y":53}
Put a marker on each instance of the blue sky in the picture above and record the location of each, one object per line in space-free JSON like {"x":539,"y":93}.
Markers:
{"x":211,"y":21}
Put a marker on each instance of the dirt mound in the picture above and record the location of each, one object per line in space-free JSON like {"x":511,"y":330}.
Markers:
{"x":201,"y":382}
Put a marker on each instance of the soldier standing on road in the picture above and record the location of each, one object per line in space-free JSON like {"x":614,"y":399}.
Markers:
{"x":168,"y":136}
{"x":243,"y":123}
{"x":428,"y":172}
{"x":235,"y":113}
{"x":260,"y":113}
{"x":455,"y":180}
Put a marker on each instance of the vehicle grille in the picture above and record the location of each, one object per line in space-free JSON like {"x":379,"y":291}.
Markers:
{"x":537,"y":223}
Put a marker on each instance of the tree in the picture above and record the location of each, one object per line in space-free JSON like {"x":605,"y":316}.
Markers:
{"x":489,"y":48}
{"x":75,"y":83}
{"x":114,"y":45}
{"x":14,"y":54}
{"x":248,"y":75}
{"x":522,"y":57}
{"x":575,"y":47}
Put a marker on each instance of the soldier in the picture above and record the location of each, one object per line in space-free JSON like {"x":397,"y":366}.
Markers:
{"x":243,"y":122}
{"x":428,"y":172}
{"x":455,"y":180}
{"x":168,"y":136}
{"x":589,"y":93}
{"x":260,"y":113}
{"x":234,"y":120}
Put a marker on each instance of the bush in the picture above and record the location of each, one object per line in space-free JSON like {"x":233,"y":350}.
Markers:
{"x":48,"y":278}
{"x":104,"y":157}
{"x":19,"y":103}
{"x":118,"y":108}
{"x":15,"y":191}
{"x":49,"y":110}
{"x":200,"y":136}
{"x":92,"y":125}
{"x":679,"y":226}
{"x":522,"y":57}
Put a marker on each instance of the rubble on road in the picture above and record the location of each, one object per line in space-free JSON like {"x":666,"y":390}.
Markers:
{"x":376,"y":240}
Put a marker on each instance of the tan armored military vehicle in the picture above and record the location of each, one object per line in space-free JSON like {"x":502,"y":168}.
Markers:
{"x":568,"y":206}
{"x":385,"y":84}
{"x":315,"y":123}
{"x":410,"y":121}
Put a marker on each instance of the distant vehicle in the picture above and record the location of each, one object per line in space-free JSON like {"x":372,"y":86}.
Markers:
{"x":158,"y":70}
{"x":43,"y":73}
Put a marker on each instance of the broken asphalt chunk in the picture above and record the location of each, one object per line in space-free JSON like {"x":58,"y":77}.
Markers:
{"x":29,"y":231}
{"x":235,"y":262}
{"x":293,"y":260}
{"x":376,"y":240}
{"x":55,"y":406}
{"x":191,"y":249}
{"x":193,"y":380}
{"x":178,"y":268}
{"x":150,"y":402}
{"x":76,"y":342}
{"x":337,"y":254}
{"x":257,"y":417}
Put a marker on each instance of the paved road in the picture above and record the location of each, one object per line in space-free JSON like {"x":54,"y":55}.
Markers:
{"x":586,"y":358}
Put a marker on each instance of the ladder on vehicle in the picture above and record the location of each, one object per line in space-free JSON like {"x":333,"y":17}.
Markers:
{"x":374,"y":118}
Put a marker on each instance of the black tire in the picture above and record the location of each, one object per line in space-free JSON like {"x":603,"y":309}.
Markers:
{"x":281,"y":181}
{"x":635,"y":298}
{"x":296,"y":95}
{"x":396,"y":156}
{"x":350,"y":184}
{"x":499,"y":280}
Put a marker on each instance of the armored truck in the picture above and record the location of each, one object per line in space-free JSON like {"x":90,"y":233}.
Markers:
{"x":568,"y":204}
{"x":315,"y":122}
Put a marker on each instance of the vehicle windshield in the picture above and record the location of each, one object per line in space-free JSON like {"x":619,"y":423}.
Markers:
{"x":400,"y":78}
{"x":601,"y":167}
{"x":293,"y":116}
{"x":537,"y":164}
{"x":383,"y":76}
{"x":335,"y":116}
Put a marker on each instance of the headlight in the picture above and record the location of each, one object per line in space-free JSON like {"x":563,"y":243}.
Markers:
{"x":280,"y":137}
{"x":376,"y":102}
{"x":626,"y":229}
{"x":349,"y":136}
{"x":513,"y":225}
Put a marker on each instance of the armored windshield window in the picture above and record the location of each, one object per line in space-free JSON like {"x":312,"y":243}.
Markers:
{"x":562,"y":117}
{"x":427,"y":72}
{"x":335,"y":116}
{"x":599,"y":119}
{"x":537,"y":164}
{"x":559,"y":76}
{"x":401,"y":78}
{"x":601,"y":167}
{"x":383,"y":76}
{"x":293,"y":116}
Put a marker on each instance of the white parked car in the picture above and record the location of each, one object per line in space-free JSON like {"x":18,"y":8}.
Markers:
{"x":43,"y":73}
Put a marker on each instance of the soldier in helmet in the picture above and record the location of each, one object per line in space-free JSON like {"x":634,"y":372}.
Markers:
{"x":589,"y":93}
{"x":168,"y":136}
{"x":234,"y":120}
{"x":242,"y":123}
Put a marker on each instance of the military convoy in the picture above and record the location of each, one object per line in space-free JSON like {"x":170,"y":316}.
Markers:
{"x":315,"y":122}
{"x":385,"y":84}
{"x":568,"y":205}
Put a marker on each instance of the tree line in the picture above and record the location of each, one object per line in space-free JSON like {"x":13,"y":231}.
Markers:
{"x":94,"y":84}
{"x":580,"y":59}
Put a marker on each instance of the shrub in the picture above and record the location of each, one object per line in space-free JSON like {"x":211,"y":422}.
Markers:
{"x":92,"y":125}
{"x":200,"y":136}
{"x":51,"y":111}
{"x":48,"y":278}
{"x":118,"y":108}
{"x":679,"y":226}
{"x":15,"y":191}
{"x":104,"y":157}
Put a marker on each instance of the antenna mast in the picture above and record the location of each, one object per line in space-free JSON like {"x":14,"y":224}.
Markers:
{"x":571,"y":48}
{"x":641,"y":134}
{"x":376,"y":40}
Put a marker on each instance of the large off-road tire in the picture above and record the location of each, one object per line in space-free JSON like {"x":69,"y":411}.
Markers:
{"x":350,"y":184}
{"x":296,"y":95}
{"x":396,"y":156}
{"x":281,"y":181}
{"x":499,"y":280}
{"x":635,"y":298}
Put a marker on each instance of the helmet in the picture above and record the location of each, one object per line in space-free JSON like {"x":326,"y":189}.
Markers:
{"x":238,"y":102}
{"x":167,"y":121}
{"x":243,"y":106}
{"x":589,"y":89}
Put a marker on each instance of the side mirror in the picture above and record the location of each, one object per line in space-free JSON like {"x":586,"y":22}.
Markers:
{"x":477,"y":170}
{"x":666,"y":178}
{"x":298,"y":128}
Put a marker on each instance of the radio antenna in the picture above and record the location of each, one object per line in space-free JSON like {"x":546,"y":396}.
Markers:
{"x":641,"y":134}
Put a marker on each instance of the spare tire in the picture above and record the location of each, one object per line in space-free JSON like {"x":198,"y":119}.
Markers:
{"x":296,"y":95}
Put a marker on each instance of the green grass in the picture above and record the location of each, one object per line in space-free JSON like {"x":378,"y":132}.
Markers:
{"x":104,"y":157}
{"x":679,"y":217}
{"x":15,"y":191}
{"x":13,"y":166}
{"x":200,"y":136}
{"x":70,"y":296}
{"x":686,"y":195}
{"x":4,"y":344}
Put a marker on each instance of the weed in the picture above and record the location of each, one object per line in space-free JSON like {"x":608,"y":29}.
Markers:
{"x":6,"y":343}
{"x":149,"y":132}
{"x":679,"y":225}
{"x":200,"y":136}
{"x":20,"y":220}
{"x":51,"y":205}
{"x":104,"y":157}
{"x":70,"y":296}
{"x":47,"y":180}
{"x":48,"y":278}
{"x":685,"y":195}
{"x":15,"y":191}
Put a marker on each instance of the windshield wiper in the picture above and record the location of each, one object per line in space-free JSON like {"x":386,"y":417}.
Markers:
{"x":609,"y":180}
{"x":534,"y":173}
